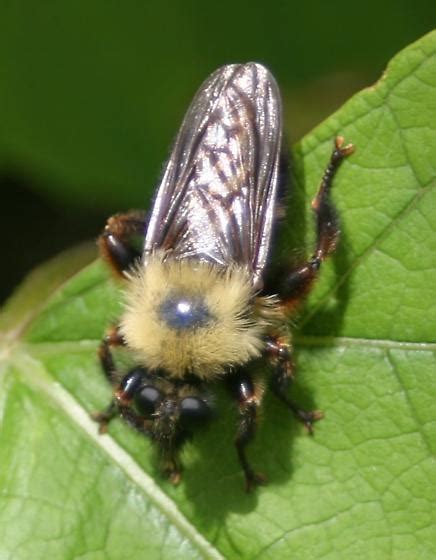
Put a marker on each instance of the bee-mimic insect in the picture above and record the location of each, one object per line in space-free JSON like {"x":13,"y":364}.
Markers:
{"x":196,"y":312}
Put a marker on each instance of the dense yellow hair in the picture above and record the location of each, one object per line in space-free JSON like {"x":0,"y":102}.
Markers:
{"x":232,"y":337}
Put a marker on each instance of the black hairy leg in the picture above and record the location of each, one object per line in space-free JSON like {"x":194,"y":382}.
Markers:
{"x":169,"y":454}
{"x":122,"y":239}
{"x":249,"y":397}
{"x":279,"y":354}
{"x":111,"y":339}
{"x":299,"y":281}
{"x":184,"y":407}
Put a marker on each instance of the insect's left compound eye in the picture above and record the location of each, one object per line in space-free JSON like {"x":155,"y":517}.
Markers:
{"x":194,"y":411}
{"x":148,"y":399}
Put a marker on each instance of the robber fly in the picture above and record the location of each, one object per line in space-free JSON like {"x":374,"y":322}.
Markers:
{"x":196,"y":312}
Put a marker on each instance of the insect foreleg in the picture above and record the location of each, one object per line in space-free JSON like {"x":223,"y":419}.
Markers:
{"x":122,"y":240}
{"x":111,"y":339}
{"x":169,"y":450}
{"x":249,"y":397}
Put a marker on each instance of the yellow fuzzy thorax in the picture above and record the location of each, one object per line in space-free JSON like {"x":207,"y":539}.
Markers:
{"x":233,"y":335}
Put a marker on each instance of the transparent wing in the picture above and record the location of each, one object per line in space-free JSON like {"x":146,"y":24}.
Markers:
{"x":217,"y":196}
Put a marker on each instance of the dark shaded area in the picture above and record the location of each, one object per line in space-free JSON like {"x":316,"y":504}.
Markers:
{"x":32,"y":229}
{"x":223,"y":483}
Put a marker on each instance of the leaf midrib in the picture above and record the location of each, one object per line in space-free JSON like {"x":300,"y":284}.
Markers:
{"x":303,"y":340}
{"x":42,"y":380}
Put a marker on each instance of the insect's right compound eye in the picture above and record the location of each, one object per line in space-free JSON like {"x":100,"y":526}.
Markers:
{"x":148,"y":399}
{"x":194,"y":411}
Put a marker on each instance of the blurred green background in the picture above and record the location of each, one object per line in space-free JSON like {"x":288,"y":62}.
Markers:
{"x":92,"y":94}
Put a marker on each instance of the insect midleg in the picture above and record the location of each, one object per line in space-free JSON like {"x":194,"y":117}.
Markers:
{"x":279,"y":354}
{"x":122,"y":240}
{"x":249,"y":396}
{"x":300,"y":280}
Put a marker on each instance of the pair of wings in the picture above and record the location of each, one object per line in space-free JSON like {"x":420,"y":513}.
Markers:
{"x":217,"y":196}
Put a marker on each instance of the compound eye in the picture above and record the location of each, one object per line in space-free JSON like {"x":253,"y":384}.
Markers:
{"x":194,"y":411}
{"x":147,"y":400}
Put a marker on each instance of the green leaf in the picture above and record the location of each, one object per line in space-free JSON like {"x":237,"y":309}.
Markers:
{"x":363,"y":486}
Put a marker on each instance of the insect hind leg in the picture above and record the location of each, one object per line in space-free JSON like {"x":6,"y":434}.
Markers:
{"x":300,"y":281}
{"x":122,"y":239}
